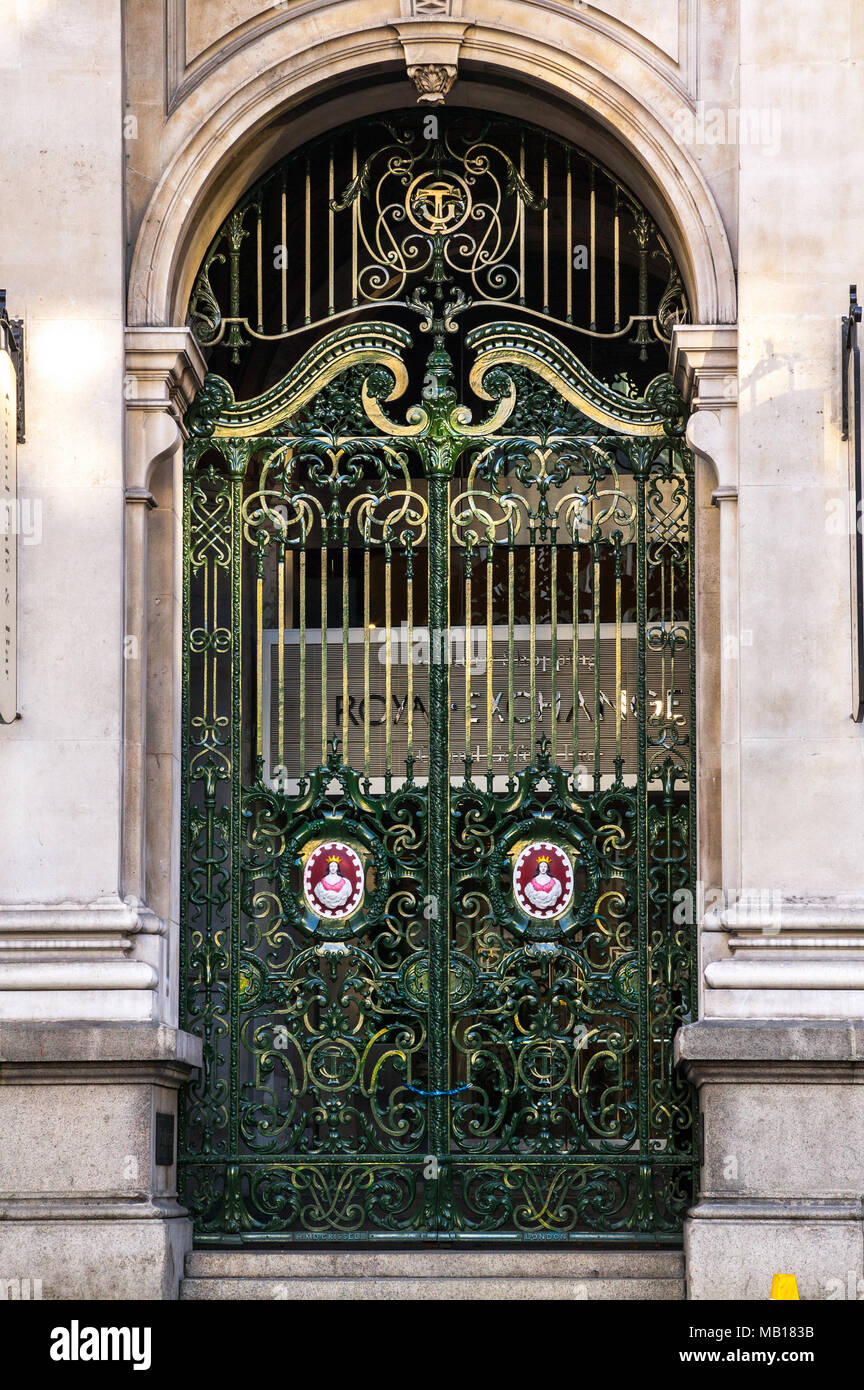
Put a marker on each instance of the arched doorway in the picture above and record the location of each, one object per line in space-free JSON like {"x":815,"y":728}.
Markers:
{"x":438,"y":678}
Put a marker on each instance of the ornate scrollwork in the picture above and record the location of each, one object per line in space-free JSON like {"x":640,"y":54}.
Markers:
{"x":466,"y":202}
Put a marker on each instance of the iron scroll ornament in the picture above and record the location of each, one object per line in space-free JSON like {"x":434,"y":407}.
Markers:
{"x":500,"y":205}
{"x":377,"y":349}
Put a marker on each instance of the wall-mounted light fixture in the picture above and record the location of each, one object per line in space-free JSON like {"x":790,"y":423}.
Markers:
{"x":851,"y":430}
{"x":11,"y":434}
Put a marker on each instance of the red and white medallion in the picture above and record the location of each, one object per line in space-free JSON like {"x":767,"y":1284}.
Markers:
{"x":543,"y":880}
{"x":333,"y":880}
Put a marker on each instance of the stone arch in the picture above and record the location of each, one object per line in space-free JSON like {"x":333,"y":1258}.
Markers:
{"x":575,"y":89}
{"x":216,"y":159}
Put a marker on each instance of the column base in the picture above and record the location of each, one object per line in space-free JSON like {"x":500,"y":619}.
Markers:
{"x":733,"y":1250}
{"x":93,"y":1253}
{"x":781,"y":1114}
{"x":88,"y":1201}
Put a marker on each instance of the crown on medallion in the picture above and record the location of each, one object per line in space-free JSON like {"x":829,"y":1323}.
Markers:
{"x":543,"y":858}
{"x":333,"y":859}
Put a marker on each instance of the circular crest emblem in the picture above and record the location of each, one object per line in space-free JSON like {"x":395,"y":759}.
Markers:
{"x":543,"y":881}
{"x":333,"y":881}
{"x":438,"y":202}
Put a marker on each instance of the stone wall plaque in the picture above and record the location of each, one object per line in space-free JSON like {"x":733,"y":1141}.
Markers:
{"x":164,"y":1139}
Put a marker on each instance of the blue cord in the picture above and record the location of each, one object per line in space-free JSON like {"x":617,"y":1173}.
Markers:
{"x":455,"y":1090}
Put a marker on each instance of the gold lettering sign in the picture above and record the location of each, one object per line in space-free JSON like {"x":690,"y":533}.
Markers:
{"x":595,"y":704}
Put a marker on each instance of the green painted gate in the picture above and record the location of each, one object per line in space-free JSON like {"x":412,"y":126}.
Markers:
{"x":438,"y":818}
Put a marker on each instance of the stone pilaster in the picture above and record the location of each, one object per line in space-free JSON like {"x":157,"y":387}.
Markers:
{"x":164,"y":368}
{"x":90,"y":1057}
{"x":703,"y":362}
{"x":777,"y":1055}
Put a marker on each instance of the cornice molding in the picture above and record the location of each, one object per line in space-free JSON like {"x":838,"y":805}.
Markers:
{"x":703,"y":361}
{"x":164,"y":369}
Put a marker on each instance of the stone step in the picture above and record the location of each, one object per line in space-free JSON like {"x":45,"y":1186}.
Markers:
{"x":435,"y":1262}
{"x":434,"y":1274}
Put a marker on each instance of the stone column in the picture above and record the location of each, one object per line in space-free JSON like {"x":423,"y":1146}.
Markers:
{"x":88,"y":1199}
{"x":704,"y":365}
{"x":782,"y":1164}
{"x":777,"y":1054}
{"x":90,"y":1056}
{"x":164,"y":368}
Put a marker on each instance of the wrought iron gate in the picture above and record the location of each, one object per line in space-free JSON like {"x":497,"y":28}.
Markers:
{"x":439,"y":742}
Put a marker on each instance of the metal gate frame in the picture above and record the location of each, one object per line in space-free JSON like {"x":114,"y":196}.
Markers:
{"x":253,"y":472}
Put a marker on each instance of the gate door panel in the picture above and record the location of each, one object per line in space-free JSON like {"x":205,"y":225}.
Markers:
{"x":438,"y":730}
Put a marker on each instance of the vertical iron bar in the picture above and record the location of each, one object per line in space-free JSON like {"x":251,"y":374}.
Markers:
{"x":409,"y":656}
{"x":642,"y":812}
{"x":388,"y":668}
{"x":532,"y":640}
{"x":259,"y":266}
{"x":259,"y":658}
{"x":490,"y":557}
{"x":617,"y":262}
{"x":439,"y":815}
{"x":568,"y":248}
{"x":553,"y":654}
{"x":671,"y":714}
{"x":618,"y":712}
{"x":307,"y":260}
{"x":236,"y":800}
{"x":366,"y":685}
{"x":664,"y":683}
{"x":214,"y":658}
{"x":301,"y":710}
{"x":574,"y":590}
{"x":469,"y":559}
{"x":331,"y":249}
{"x":592,"y":248}
{"x":597,"y":704}
{"x":511,"y":684}
{"x":522,"y":299}
{"x":204,"y":661}
{"x":281,"y":655}
{"x":345,"y":645}
{"x":283,"y":249}
{"x":355,"y":214}
{"x":545,"y":227}
{"x":185,"y":799}
{"x":324,"y":636}
{"x":692,"y":809}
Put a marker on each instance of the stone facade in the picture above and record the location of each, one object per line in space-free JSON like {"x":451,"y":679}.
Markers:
{"x":129,"y":133}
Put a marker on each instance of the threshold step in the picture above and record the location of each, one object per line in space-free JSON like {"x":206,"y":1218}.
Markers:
{"x":376,"y":1290}
{"x":379,"y":1275}
{"x":435,"y":1263}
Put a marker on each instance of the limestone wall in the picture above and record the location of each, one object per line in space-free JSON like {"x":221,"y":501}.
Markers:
{"x":61,"y":253}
